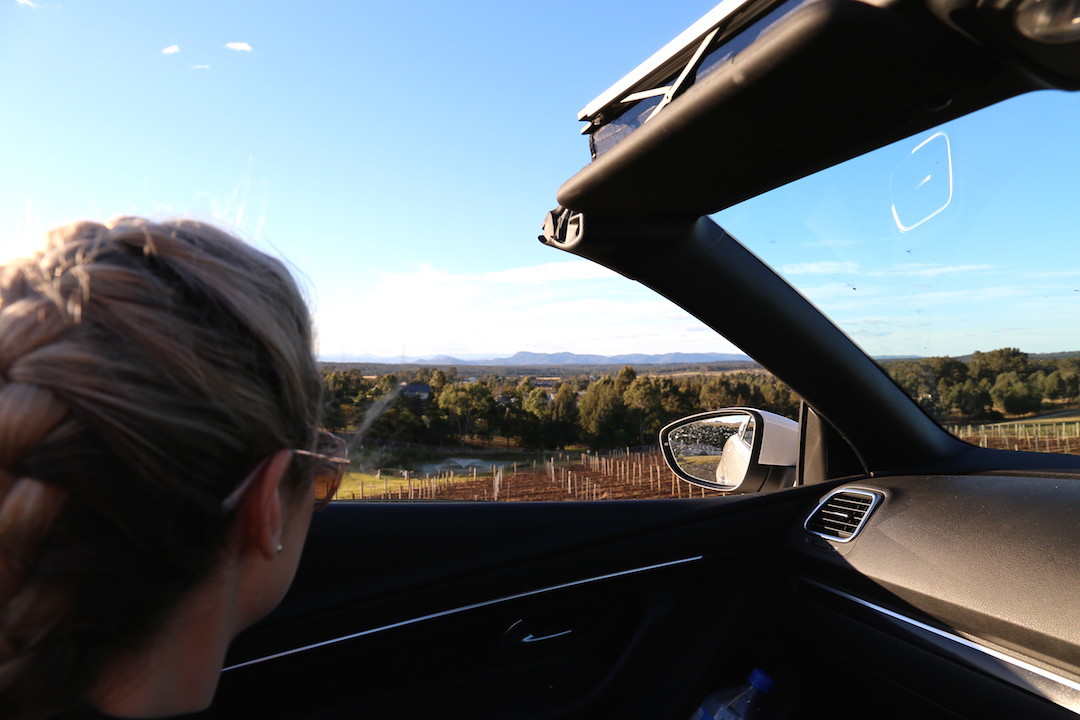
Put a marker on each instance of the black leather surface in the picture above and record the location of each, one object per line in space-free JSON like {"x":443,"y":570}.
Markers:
{"x":993,"y":558}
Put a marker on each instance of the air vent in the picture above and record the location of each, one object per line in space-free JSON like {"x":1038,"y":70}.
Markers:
{"x":842,"y":514}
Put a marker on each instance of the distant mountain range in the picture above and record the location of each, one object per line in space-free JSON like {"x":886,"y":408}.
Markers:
{"x":533,"y":359}
{"x":562,"y":358}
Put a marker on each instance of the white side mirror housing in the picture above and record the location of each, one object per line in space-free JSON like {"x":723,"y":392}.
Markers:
{"x":733,"y":450}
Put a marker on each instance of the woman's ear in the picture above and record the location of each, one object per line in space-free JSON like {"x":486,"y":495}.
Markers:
{"x":261,"y":507}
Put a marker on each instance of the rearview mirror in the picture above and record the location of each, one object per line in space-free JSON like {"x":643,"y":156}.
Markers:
{"x":735,"y":450}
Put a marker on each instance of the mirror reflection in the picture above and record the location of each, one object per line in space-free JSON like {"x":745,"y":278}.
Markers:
{"x":715,"y":450}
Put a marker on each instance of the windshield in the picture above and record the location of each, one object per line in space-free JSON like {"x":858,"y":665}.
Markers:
{"x":951,"y":257}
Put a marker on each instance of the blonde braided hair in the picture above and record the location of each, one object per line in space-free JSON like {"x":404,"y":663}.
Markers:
{"x":145,"y":369}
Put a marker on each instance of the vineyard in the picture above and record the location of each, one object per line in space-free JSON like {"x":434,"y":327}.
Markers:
{"x":1035,"y":436}
{"x":620,"y":475}
{"x":630,"y":475}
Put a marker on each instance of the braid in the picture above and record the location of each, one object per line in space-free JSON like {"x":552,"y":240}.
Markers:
{"x":29,"y":417}
{"x":144,"y":371}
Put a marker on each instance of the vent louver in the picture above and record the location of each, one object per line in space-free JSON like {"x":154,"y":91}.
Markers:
{"x":842,"y":514}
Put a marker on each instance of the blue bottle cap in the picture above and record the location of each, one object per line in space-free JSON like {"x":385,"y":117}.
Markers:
{"x":761,"y":681}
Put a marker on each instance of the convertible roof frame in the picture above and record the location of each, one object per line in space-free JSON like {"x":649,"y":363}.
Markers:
{"x":635,"y":84}
{"x":819,"y":82}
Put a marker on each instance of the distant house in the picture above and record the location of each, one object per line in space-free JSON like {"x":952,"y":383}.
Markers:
{"x":416,"y":390}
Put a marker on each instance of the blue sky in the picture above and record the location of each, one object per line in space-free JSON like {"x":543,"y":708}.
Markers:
{"x":400,"y":155}
{"x":984,"y":254}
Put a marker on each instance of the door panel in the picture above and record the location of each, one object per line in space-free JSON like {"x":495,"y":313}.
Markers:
{"x":560,"y":610}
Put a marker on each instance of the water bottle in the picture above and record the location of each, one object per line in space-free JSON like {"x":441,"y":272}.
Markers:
{"x":738,"y":703}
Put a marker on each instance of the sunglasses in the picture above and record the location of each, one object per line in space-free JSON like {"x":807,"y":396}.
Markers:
{"x":331,"y":468}
{"x":333,"y":459}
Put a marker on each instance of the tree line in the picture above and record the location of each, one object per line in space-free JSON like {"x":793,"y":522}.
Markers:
{"x":988,"y":385}
{"x":609,"y":411}
{"x":626,"y":408}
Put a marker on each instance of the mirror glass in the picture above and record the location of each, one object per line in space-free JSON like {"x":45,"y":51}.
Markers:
{"x":714,"y":450}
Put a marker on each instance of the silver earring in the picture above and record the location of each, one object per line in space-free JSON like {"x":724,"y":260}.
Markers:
{"x":280,"y":547}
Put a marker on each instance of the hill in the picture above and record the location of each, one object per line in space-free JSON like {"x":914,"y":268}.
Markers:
{"x":543,"y":359}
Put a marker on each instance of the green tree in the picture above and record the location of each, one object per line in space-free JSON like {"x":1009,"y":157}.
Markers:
{"x":338,"y":391}
{"x":970,"y":398}
{"x":951,"y":370}
{"x":1054,"y":387}
{"x":777,"y":397}
{"x":564,"y":415}
{"x":642,"y":399}
{"x":531,"y":417}
{"x":716,"y":393}
{"x":624,"y":378}
{"x":537,"y":403}
{"x":1068,"y":369}
{"x":400,"y":422}
{"x":989,"y":365}
{"x":603,"y":415}
{"x":920,"y":382}
{"x":465,"y":403}
{"x":438,"y":382}
{"x":333,"y":416}
{"x":674,"y":401}
{"x":1011,"y":395}
{"x":387,"y":383}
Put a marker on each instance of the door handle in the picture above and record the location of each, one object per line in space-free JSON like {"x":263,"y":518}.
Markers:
{"x":521,"y":634}
{"x":530,"y":638}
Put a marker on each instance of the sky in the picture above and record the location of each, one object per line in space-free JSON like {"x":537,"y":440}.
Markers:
{"x":962,"y":238}
{"x":401,"y":157}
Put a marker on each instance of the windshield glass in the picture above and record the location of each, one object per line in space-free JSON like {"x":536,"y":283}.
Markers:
{"x":950,"y":257}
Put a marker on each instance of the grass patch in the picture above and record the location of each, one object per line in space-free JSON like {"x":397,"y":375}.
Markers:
{"x":358,"y":484}
{"x":700,"y":466}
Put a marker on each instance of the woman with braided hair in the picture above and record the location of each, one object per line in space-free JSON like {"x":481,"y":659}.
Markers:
{"x":160,"y":454}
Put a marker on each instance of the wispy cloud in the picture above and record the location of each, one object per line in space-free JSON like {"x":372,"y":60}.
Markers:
{"x":844,"y":267}
{"x":550,"y":273}
{"x":923,"y":270}
{"x":823,"y":267}
{"x":27,"y":3}
{"x":840,"y":291}
{"x":171,"y":50}
{"x":1053,"y":274}
{"x":200,"y":67}
{"x":831,"y":243}
{"x":969,"y":297}
{"x":238,"y":46}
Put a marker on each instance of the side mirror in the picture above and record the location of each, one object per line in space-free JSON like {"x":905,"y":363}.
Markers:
{"x":735,"y":450}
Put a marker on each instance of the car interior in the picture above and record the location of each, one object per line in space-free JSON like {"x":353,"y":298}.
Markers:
{"x":949,"y":588}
